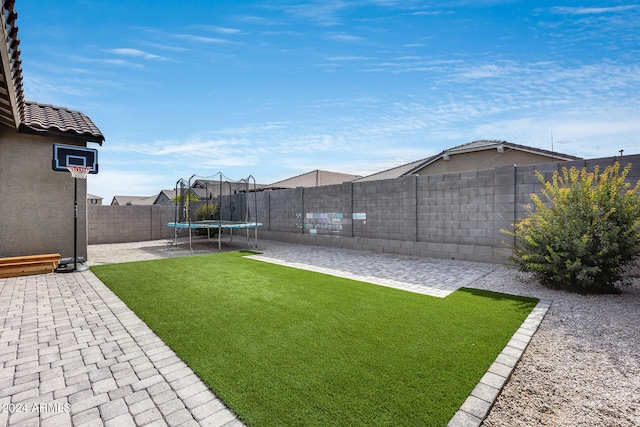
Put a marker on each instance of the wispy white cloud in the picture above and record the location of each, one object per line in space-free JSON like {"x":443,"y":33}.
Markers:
{"x":592,"y":134}
{"x":164,"y":47}
{"x":288,"y":33}
{"x":119,"y":62}
{"x":135,"y":53}
{"x":485,"y":71}
{"x":349,"y":58}
{"x":108,"y":61}
{"x":261,"y":20}
{"x":220,"y":30}
{"x":432,"y":12}
{"x":182,"y":158}
{"x":202,"y":39}
{"x":116,"y":182}
{"x":191,"y":147}
{"x":342,"y":37}
{"x":567,"y":10}
{"x":325,"y":13}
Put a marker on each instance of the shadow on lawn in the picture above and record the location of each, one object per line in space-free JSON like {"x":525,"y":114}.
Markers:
{"x":497,"y":296}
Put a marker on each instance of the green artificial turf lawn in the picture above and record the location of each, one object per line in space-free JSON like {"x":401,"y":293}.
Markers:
{"x":282,"y":346}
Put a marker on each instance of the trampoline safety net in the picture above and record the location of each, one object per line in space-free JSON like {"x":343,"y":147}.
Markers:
{"x":215,"y":201}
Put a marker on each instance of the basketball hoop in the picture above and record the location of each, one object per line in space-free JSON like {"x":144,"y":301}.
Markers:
{"x":80,"y":161}
{"x":78,"y":171}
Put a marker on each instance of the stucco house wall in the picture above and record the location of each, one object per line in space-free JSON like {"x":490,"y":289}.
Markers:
{"x":481,"y":160}
{"x":36,"y":202}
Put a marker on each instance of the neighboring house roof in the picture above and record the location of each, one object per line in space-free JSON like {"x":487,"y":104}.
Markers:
{"x":91,"y":196}
{"x":479,"y":145}
{"x":205,"y":187}
{"x":491,"y":144}
{"x":207,"y":193}
{"x":316,"y":178}
{"x":133,"y":200}
{"x":168,"y":194}
{"x":27,"y":116}
{"x":396,"y":172}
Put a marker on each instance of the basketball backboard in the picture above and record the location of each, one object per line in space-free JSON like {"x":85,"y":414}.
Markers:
{"x":68,"y":155}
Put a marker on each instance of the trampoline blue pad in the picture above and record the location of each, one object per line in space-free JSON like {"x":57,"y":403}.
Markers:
{"x":215,"y":224}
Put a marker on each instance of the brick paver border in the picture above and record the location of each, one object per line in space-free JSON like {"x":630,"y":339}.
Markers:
{"x":476,"y":408}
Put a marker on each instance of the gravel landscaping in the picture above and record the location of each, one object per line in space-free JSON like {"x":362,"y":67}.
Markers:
{"x":581,"y":367}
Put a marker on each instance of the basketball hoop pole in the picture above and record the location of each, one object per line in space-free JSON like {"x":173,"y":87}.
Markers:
{"x":77,"y":172}
{"x":75,"y":224}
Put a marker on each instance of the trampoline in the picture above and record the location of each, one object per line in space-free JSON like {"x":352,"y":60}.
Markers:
{"x":234,"y":207}
{"x":219,"y":225}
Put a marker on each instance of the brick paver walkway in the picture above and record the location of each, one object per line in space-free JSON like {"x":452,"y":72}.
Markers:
{"x":420,"y":275}
{"x":72,"y":354}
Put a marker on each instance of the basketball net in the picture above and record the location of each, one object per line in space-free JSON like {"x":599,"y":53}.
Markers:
{"x":79,"y":171}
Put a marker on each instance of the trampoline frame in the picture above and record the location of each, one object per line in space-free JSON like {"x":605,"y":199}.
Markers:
{"x":219,"y":224}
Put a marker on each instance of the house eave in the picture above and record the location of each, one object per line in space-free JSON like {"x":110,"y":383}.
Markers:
{"x":54,"y":133}
{"x":11,"y":94}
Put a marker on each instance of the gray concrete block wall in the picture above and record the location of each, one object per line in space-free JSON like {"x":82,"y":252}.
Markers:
{"x":327,"y":210}
{"x":634,"y":175}
{"x":504,"y":208}
{"x":410,"y":197}
{"x":234,"y":207}
{"x":456,"y":215}
{"x":119,"y":224}
{"x":384,"y":206}
{"x":284,"y":211}
{"x":262,"y":208}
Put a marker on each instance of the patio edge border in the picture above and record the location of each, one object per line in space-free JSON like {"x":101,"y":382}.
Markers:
{"x":477,"y":406}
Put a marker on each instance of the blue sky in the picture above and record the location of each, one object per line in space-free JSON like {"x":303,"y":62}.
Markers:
{"x":275,"y":89}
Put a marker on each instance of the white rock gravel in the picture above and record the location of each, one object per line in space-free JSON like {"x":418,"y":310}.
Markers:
{"x":582,"y":367}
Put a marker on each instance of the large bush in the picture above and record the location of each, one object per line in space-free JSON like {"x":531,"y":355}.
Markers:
{"x":585,"y":235}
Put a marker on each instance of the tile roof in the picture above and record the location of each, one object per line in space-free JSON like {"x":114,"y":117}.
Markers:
{"x":316,"y":178}
{"x":26,"y":116}
{"x":43,"y":117}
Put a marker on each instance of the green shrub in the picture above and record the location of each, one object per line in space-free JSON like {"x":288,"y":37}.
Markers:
{"x":586,"y":235}
{"x":189,"y":196}
{"x":206,"y":211}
